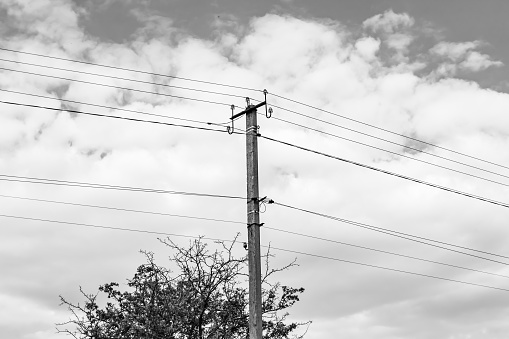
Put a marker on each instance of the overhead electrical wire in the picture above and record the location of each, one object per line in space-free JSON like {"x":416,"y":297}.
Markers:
{"x":412,"y":148}
{"x":109,"y":227}
{"x":396,"y":153}
{"x":115,"y":117}
{"x":383,"y":251}
{"x":218,"y":84}
{"x":46,"y":181}
{"x":275,"y":140}
{"x":208,"y":123}
{"x":406,"y":236}
{"x":271,"y":247}
{"x":114,"y":108}
{"x":489,"y":200}
{"x":122,"y":209}
{"x":24,"y":179}
{"x":118,"y":87}
{"x":387,"y":130}
{"x":387,"y":268}
{"x":401,"y":176}
{"x":274,"y":94}
{"x":367,"y":166}
{"x":129,"y":69}
{"x":209,"y":129}
{"x":388,"y":141}
{"x":282,"y":142}
{"x":243,"y":223}
{"x":122,"y":78}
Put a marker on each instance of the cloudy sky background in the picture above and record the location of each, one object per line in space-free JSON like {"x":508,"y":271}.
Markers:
{"x":435,"y":72}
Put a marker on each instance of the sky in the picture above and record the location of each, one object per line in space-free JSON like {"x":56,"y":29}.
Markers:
{"x":367,"y":82}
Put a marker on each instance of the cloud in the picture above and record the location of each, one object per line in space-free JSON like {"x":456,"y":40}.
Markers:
{"x":50,"y":21}
{"x":454,"y":51}
{"x":396,"y":31}
{"x":476,"y":62}
{"x":376,"y":76}
{"x":462,"y":56}
{"x":368,"y":47}
{"x":399,"y":42}
{"x":389,"y":22}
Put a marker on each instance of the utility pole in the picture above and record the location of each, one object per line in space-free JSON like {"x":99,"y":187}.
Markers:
{"x":253,"y":221}
{"x":253,"y":226}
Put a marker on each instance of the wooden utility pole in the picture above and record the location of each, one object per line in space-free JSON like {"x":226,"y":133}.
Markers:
{"x":253,"y":226}
{"x":253,"y":219}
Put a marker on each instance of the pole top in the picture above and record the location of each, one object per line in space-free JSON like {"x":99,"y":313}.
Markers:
{"x":248,"y":109}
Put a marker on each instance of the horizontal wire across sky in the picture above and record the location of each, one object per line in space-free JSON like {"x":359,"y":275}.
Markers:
{"x":401,"y":176}
{"x":282,"y":230}
{"x":417,"y":150}
{"x":265,"y":246}
{"x":423,"y":240}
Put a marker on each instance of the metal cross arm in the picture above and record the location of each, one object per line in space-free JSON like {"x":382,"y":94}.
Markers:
{"x":247,"y":110}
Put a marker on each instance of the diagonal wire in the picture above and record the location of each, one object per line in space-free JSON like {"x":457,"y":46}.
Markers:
{"x":401,"y":176}
{"x":122,"y":78}
{"x":402,"y":235}
{"x":390,"y":142}
{"x":388,"y":268}
{"x":113,"y":108}
{"x":383,"y":251}
{"x":128,"y":69}
{"x":242,"y":223}
{"x":386,"y":130}
{"x":117,"y":87}
{"x":121,"y":209}
{"x":115,"y":117}
{"x":109,"y":227}
{"x":45,"y":181}
{"x":270,"y":247}
{"x":399,"y":154}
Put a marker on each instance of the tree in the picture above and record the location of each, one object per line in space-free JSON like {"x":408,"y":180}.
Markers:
{"x":207,"y":298}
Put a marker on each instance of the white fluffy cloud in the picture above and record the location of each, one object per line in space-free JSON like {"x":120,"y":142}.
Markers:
{"x":454,"y":51}
{"x":462,"y":56}
{"x":370,"y":78}
{"x":389,"y":22}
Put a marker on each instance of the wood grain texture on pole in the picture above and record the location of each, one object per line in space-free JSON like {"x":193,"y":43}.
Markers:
{"x":253,"y":222}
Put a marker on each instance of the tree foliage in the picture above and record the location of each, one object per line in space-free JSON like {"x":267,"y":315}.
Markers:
{"x":206,"y":298}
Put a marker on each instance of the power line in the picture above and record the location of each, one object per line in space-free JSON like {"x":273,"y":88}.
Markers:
{"x":224,"y":131}
{"x":401,"y":176}
{"x":388,"y":131}
{"x":385,"y":252}
{"x":402,"y":235}
{"x":113,"y":108}
{"x":45,"y":181}
{"x":122,"y":78}
{"x":402,"y":155}
{"x":390,"y":142}
{"x":243,"y":223}
{"x":115,"y":117}
{"x":387,"y":268}
{"x":440,"y":166}
{"x":192,"y":127}
{"x":122,"y":209}
{"x":117,"y":87}
{"x":271,"y":247}
{"x":276,"y":95}
{"x":147,"y":82}
{"x":130,"y":70}
{"x":110,"y":227}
